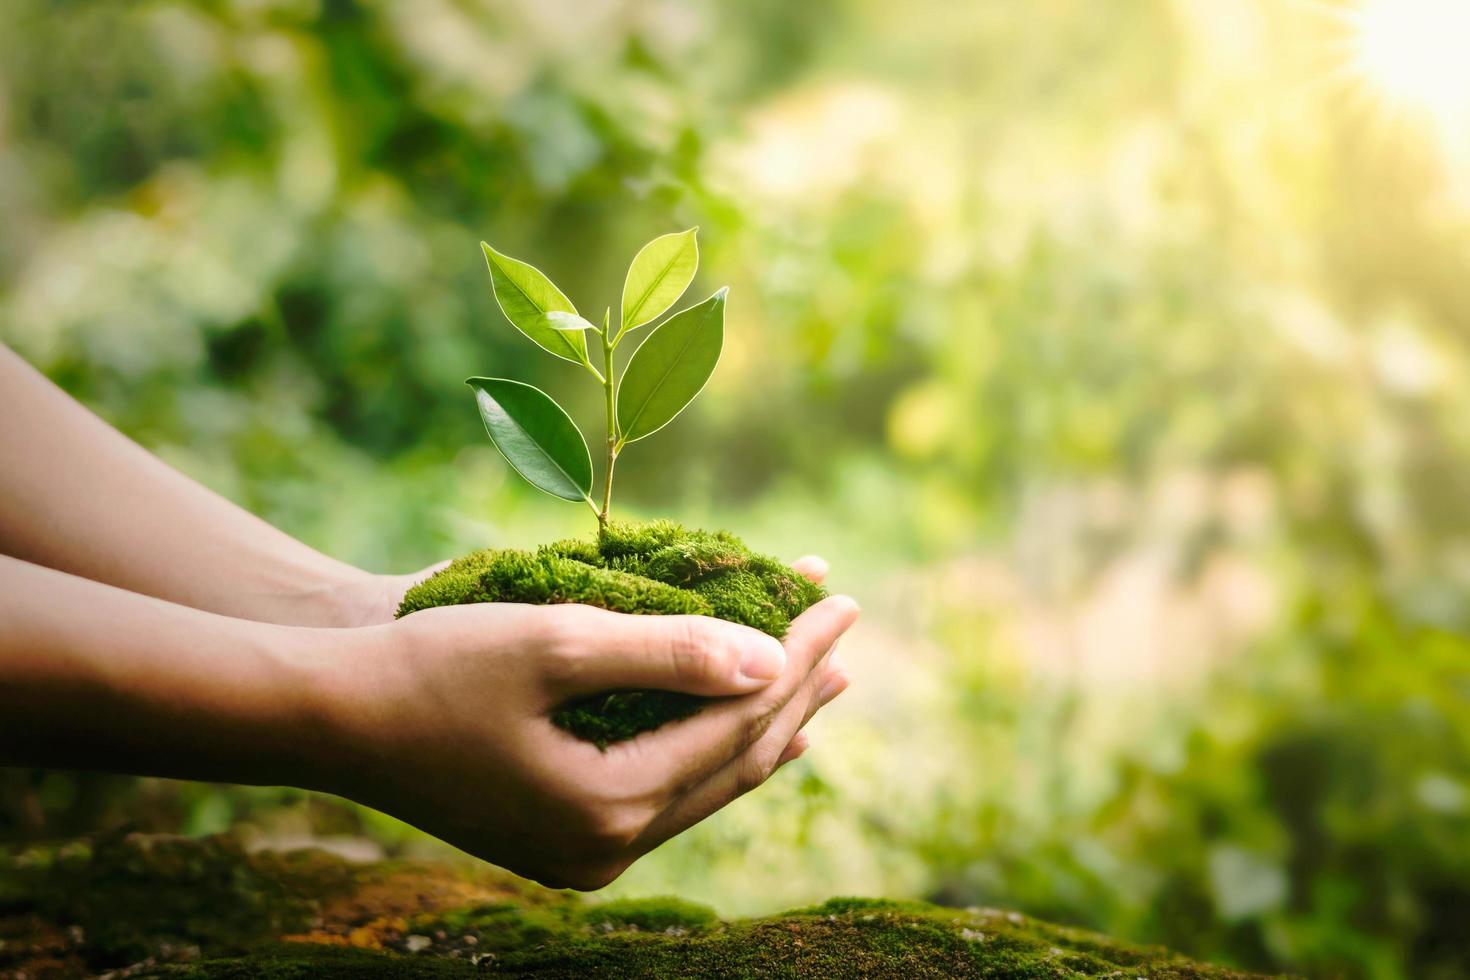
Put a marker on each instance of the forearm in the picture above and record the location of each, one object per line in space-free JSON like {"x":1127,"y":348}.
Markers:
{"x":92,"y":677}
{"x":77,"y":495}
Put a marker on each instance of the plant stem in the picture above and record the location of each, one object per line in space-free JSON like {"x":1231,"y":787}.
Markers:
{"x":610,"y":391}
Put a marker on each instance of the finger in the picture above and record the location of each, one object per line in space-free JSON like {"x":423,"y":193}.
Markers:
{"x":836,"y":680}
{"x":686,"y":754}
{"x":813,"y":567}
{"x":734,"y":779}
{"x":743,"y":773}
{"x":798,"y":745}
{"x":597,"y":650}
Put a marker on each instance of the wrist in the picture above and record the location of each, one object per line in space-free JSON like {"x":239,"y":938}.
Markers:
{"x":361,"y":599}
{"x":342,"y":599}
{"x":277,"y":724}
{"x":340,"y":689}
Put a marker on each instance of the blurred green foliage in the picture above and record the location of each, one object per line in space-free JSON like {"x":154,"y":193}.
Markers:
{"x":1117,"y":356}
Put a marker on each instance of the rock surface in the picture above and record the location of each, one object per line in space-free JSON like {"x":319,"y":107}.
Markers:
{"x":149,"y":906}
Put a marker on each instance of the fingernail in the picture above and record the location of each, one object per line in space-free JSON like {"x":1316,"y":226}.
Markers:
{"x":764,"y":661}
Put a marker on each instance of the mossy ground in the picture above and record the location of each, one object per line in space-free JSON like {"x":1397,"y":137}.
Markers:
{"x":656,"y":568}
{"x":141,"y":906}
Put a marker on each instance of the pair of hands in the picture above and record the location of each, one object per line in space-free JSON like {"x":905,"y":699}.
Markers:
{"x":447,"y":719}
{"x":189,"y":638}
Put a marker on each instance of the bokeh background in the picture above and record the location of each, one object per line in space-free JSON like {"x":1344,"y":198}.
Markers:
{"x":1116,"y":354}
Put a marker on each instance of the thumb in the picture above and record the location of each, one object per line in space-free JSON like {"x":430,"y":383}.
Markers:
{"x":430,"y":570}
{"x":693,"y":654}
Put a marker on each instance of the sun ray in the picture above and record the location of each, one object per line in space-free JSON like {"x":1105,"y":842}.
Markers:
{"x":1399,"y":68}
{"x":1413,"y":53}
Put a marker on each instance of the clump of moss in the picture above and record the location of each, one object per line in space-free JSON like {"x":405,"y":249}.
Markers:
{"x":619,"y":715}
{"x":657,"y":568}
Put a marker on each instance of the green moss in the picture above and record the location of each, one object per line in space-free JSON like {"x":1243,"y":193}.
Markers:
{"x":657,"y":568}
{"x":127,"y":894}
{"x":849,"y":938}
{"x":207,"y":909}
{"x":300,"y":961}
{"x":498,"y":926}
{"x":663,"y":913}
{"x":606,"y":718}
{"x":860,"y":938}
{"x":663,"y":937}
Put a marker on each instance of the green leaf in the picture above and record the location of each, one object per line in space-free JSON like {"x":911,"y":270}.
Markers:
{"x":670,"y":367}
{"x":536,"y":436}
{"x":525,"y":296}
{"x":660,"y":273}
{"x":561,"y":320}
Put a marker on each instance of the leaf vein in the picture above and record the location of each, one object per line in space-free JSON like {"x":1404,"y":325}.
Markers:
{"x":571,"y":347}
{"x":689,"y":339}
{"x":658,"y":281}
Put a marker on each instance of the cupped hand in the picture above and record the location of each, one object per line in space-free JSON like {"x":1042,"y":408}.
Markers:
{"x":444,"y":721}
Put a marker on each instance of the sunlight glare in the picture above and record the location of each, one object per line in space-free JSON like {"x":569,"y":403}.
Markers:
{"x":1417,"y":53}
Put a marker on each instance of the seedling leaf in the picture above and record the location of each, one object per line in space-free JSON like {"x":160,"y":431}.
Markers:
{"x":658,"y":276}
{"x":536,"y":436}
{"x":525,"y":296}
{"x":670,"y":367}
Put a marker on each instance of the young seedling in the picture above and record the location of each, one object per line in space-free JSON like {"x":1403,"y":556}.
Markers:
{"x":656,"y":567}
{"x":669,"y":368}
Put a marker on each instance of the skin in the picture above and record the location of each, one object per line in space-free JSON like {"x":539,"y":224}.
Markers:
{"x":149,"y":626}
{"x":87,"y":500}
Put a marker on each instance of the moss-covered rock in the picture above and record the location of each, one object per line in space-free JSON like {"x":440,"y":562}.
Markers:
{"x":656,"y":568}
{"x":177,"y":908}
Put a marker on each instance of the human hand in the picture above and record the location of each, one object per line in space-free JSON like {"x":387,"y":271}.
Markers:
{"x":442,"y":719}
{"x":366,"y":599}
